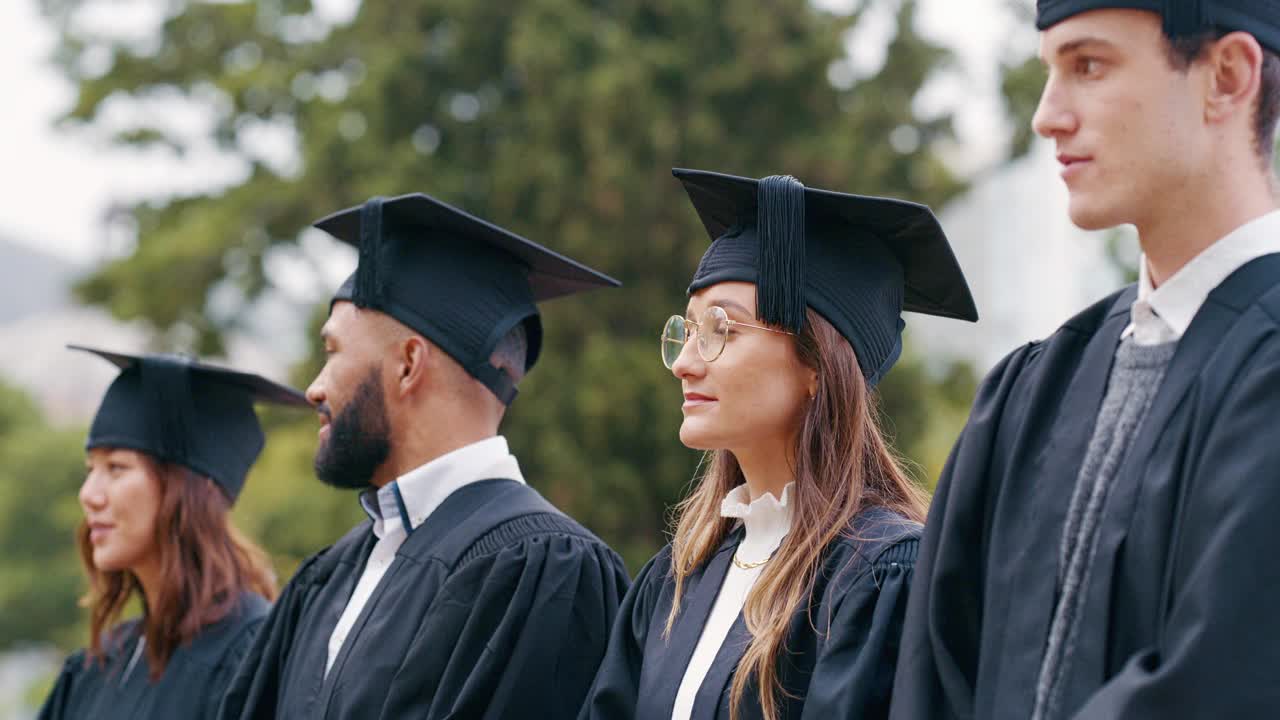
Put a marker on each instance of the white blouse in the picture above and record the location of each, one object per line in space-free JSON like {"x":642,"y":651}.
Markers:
{"x":767,"y":521}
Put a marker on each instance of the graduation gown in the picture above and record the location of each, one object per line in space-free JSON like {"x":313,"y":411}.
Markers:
{"x":192,"y":684}
{"x":841,"y":648}
{"x":1179,"y":619}
{"x":498,"y":606}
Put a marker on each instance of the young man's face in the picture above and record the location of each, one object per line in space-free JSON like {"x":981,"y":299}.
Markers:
{"x":355,"y":432}
{"x":1128,"y":126}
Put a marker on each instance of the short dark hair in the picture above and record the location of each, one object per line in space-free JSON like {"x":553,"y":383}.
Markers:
{"x":511,"y":352}
{"x":1186,"y":49}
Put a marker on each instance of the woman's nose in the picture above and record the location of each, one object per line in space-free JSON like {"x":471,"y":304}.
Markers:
{"x":689,"y":363}
{"x":92,"y":496}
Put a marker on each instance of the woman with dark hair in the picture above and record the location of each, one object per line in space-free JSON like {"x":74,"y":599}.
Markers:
{"x":167,"y":454}
{"x":782,"y":592}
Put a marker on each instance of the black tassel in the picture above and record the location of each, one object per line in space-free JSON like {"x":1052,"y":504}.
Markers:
{"x":370,"y":288}
{"x":166,"y":386}
{"x":780,"y":285}
{"x":1183,"y":17}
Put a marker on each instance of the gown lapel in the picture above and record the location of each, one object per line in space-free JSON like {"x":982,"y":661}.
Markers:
{"x":333,"y":599}
{"x":671,"y":654}
{"x":706,"y":704}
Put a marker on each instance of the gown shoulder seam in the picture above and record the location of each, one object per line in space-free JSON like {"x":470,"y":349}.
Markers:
{"x":521,"y":529}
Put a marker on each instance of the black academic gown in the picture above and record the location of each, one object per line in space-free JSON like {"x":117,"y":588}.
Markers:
{"x":192,"y":684}
{"x":1181,"y":618}
{"x":841,"y":649}
{"x":498,"y":606}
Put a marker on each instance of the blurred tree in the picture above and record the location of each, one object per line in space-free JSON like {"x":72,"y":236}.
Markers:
{"x":1020,"y":85}
{"x":557,"y":118}
{"x":40,"y":578}
{"x":1021,"y":80}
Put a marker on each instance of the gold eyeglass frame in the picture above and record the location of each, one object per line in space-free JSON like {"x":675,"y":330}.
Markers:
{"x":697,"y":325}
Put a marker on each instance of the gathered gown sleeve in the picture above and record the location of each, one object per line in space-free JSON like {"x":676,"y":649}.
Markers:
{"x":853,"y":674}
{"x":613,"y":694}
{"x":938,"y":663}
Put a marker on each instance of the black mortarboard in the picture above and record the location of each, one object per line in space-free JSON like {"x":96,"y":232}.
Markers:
{"x":186,"y":412}
{"x":461,"y":282}
{"x":858,"y":261}
{"x":1259,"y":18}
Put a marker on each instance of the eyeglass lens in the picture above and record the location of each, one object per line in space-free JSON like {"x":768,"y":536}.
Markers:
{"x":712,"y":330}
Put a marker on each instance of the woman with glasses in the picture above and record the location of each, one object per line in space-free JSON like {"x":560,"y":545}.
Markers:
{"x":166,"y":456}
{"x":782,"y":592}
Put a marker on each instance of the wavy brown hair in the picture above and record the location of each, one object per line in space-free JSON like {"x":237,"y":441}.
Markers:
{"x":842,"y":465}
{"x":205,"y":563}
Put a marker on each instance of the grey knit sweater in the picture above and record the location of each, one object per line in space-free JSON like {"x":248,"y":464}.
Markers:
{"x":1135,"y":378}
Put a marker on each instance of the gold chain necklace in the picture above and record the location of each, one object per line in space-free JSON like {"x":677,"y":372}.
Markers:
{"x":749,"y":566}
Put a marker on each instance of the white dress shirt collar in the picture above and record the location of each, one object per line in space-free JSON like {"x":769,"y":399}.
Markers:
{"x":767,"y":520}
{"x":404,"y":504}
{"x":1165,"y":313}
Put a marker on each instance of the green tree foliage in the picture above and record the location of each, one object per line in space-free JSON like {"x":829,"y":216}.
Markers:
{"x":557,"y":118}
{"x":1020,"y":85}
{"x":40,"y":476}
{"x":1021,"y":80}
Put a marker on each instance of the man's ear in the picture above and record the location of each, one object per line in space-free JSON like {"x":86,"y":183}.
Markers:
{"x":1234,"y":64}
{"x":415,"y":361}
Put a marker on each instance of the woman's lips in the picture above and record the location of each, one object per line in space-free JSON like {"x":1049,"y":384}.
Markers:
{"x":696,"y":400}
{"x":98,"y":532}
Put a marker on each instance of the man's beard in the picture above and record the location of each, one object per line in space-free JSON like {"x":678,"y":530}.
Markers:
{"x":359,"y":439}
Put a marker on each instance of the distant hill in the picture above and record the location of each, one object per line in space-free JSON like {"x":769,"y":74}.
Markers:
{"x":66,"y":385}
{"x":32,"y":281}
{"x":38,"y":317}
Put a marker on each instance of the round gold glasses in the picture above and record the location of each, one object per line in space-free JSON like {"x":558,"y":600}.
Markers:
{"x":711,"y":331}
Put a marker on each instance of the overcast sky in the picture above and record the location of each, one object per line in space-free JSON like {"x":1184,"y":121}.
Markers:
{"x":57,"y":184}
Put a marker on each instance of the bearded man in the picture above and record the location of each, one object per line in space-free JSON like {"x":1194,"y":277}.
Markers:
{"x":465,"y":594}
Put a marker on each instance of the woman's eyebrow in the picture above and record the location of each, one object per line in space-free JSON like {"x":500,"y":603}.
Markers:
{"x":728,"y":304}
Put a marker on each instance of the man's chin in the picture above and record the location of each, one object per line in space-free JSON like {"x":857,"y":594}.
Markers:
{"x":340,"y":478}
{"x":1092,"y":218}
{"x":343,"y":483}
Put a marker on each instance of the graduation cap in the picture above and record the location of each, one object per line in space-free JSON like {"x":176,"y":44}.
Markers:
{"x":1181,"y":17}
{"x":461,"y":282}
{"x":186,"y":412}
{"x":858,"y":261}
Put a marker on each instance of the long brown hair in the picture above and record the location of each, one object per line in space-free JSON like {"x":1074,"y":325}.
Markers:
{"x":842,"y":465}
{"x":205,"y":563}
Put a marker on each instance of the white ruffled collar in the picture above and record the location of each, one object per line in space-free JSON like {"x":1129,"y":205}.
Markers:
{"x":767,"y":520}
